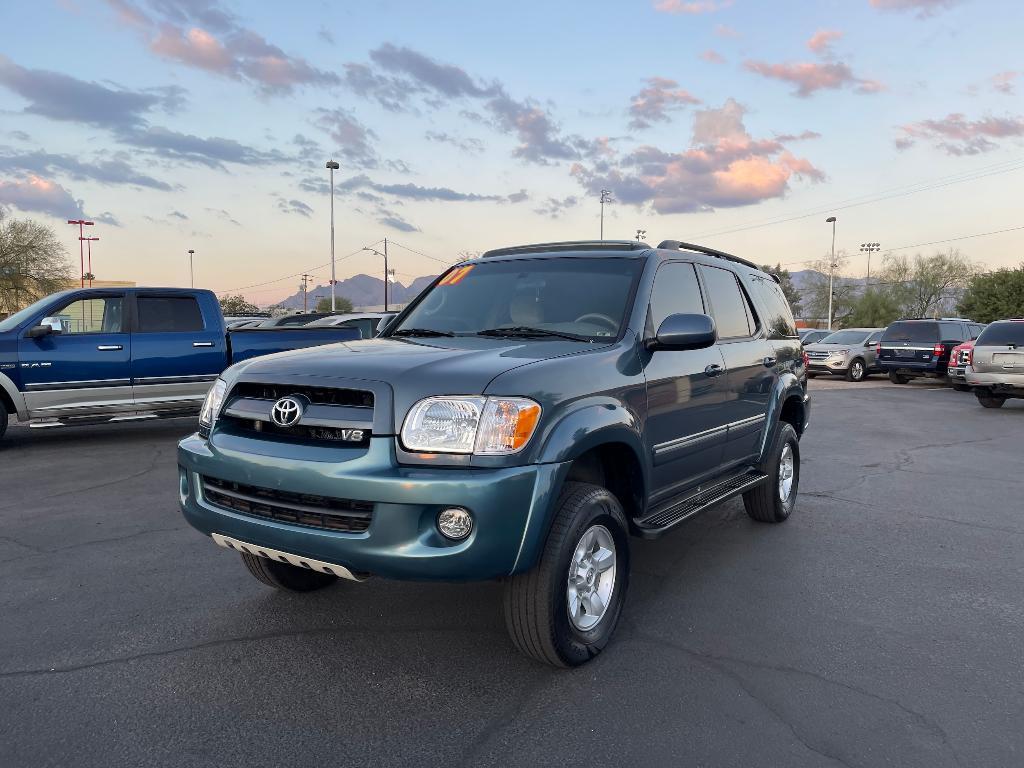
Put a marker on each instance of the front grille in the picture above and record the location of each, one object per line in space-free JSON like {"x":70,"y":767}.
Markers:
{"x":304,"y":509}
{"x":300,"y":432}
{"x":817,"y":355}
{"x":358,"y":398}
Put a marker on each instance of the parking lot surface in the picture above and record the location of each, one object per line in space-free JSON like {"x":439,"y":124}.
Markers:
{"x":882,"y":625}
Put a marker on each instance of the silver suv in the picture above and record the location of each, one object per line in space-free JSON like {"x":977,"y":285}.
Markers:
{"x":849,"y":352}
{"x":996,"y":368}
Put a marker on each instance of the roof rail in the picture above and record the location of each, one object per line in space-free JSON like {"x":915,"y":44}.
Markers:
{"x":570,"y":245}
{"x":675,"y":245}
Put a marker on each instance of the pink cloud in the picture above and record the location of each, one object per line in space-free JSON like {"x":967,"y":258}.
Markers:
{"x":712,"y":56}
{"x":653,"y":103}
{"x":38,"y":195}
{"x":724,"y":30}
{"x":924,"y":8}
{"x":691,"y":7}
{"x":956,"y":135}
{"x":196,"y":48}
{"x":809,"y":77}
{"x":1004,"y":82}
{"x":821,"y":41}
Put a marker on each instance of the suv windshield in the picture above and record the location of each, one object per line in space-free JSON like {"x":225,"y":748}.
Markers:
{"x":846,"y":337}
{"x":913,"y":332}
{"x":580,"y":298}
{"x":1002,"y":334}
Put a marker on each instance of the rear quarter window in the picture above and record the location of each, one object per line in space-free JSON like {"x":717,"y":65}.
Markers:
{"x":912,"y":332}
{"x":778,"y":316}
{"x":1002,"y":334}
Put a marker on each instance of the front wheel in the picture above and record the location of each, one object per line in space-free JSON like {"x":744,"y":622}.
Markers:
{"x":773,"y":500}
{"x":3,"y":420}
{"x":857,"y":371}
{"x":563,"y":612}
{"x":991,"y":401}
{"x":897,"y":378}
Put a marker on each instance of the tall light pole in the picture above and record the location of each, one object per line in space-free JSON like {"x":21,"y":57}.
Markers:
{"x":606,"y":197}
{"x":191,"y":273}
{"x":386,"y":273}
{"x":81,"y":253}
{"x":831,"y":268}
{"x":89,"y":241}
{"x":332,"y":167}
{"x":869,"y":248}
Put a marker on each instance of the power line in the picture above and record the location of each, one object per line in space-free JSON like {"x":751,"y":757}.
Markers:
{"x":297,"y":274}
{"x":418,"y":253}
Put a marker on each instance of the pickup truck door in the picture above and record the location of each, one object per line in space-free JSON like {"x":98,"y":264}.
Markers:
{"x":83,"y":370}
{"x":686,"y":415}
{"x":750,"y":359}
{"x":176,"y":350}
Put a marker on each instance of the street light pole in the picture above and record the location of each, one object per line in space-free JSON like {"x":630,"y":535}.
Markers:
{"x":191,"y":272}
{"x":869,"y":248}
{"x":332,"y":167}
{"x":89,"y":241}
{"x":81,"y":253}
{"x":386,"y":271}
{"x":606,"y":197}
{"x":831,"y":268}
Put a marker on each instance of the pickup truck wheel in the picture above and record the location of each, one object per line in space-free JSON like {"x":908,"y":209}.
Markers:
{"x":856,"y":371}
{"x":991,"y":401}
{"x":773,"y":501}
{"x":564,"y":610}
{"x":897,"y":378}
{"x":285,"y":576}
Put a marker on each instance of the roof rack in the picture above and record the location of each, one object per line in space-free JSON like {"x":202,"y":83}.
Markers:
{"x":949,"y":319}
{"x":675,"y":245}
{"x":570,"y":245}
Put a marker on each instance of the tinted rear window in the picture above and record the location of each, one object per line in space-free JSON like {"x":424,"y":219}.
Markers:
{"x":1002,"y":334}
{"x":169,"y":313}
{"x":912,"y":332}
{"x":779,"y":318}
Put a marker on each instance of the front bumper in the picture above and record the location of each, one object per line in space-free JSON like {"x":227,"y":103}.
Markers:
{"x":511,"y":507}
{"x":836,"y":365}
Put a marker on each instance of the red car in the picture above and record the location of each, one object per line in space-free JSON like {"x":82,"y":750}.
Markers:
{"x":959,"y":359}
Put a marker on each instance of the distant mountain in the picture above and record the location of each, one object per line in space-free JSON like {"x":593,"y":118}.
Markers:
{"x":362,"y":291}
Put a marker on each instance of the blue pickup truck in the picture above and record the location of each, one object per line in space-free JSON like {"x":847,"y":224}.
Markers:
{"x":98,"y":354}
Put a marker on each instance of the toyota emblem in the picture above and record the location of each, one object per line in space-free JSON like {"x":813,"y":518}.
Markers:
{"x":286,"y":412}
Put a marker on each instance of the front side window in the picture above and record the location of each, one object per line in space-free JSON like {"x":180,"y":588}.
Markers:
{"x":169,"y":314}
{"x":579,"y":298}
{"x":92,"y":315}
{"x":676,"y":292}
{"x":729,"y":306}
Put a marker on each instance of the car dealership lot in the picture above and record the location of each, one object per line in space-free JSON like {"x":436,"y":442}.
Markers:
{"x":882,"y":625}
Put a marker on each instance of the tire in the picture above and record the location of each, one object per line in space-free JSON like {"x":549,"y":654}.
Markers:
{"x":767,"y":503}
{"x":3,"y":420}
{"x":897,"y":378}
{"x":991,"y":401}
{"x":811,"y":375}
{"x":857,"y":370}
{"x":959,"y":387}
{"x":537,"y":603}
{"x":285,"y":576}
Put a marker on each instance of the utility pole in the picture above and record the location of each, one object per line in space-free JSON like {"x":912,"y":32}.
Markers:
{"x":831,"y":269}
{"x":606,"y":197}
{"x":386,"y":270}
{"x":641,"y":234}
{"x":81,"y":253}
{"x":869,"y":248}
{"x":332,"y":167}
{"x":305,"y":291}
{"x":89,"y":275}
{"x":191,"y":273}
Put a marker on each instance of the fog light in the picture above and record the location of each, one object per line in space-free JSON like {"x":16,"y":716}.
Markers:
{"x":455,"y":523}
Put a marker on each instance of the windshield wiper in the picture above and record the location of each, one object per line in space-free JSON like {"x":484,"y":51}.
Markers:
{"x":421,"y":332}
{"x":527,"y":332}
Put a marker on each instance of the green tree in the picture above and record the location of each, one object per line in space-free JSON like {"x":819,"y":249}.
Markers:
{"x":236,"y":305}
{"x":33,"y":263}
{"x":844,"y":292}
{"x":786,"y":283}
{"x":341,"y":304}
{"x":994,"y":296}
{"x":926,"y":285}
{"x":875,"y":308}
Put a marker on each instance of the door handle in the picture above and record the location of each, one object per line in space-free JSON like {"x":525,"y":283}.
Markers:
{"x":770,"y":362}
{"x":202,"y":343}
{"x":109,"y":347}
{"x":713,"y":370}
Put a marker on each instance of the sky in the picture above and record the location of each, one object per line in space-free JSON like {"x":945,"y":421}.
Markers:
{"x":739,"y":124}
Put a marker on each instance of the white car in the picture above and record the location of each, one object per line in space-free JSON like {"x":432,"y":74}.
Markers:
{"x":368,"y":323}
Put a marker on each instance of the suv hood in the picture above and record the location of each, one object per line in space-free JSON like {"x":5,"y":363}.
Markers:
{"x":829,"y":347}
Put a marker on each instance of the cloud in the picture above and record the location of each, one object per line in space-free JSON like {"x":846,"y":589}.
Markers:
{"x":223,"y":215}
{"x":691,"y":7}
{"x":924,"y":8}
{"x":354,"y":140}
{"x":1005,"y":82}
{"x":325,"y":35}
{"x":177,"y":215}
{"x":653,"y":103}
{"x":445,"y":79}
{"x":295,"y":206}
{"x":211,"y":152}
{"x":956,"y":135}
{"x":724,"y":167}
{"x":554,"y":208}
{"x":107,"y":218}
{"x":539,"y":137}
{"x":724,"y":30}
{"x":464,"y":145}
{"x":809,"y":77}
{"x":821,"y":41}
{"x":712,"y":56}
{"x":394,"y":221}
{"x":204,"y":35}
{"x":62,"y":97}
{"x":786,"y":138}
{"x":37,"y":195}
{"x":414,"y":191}
{"x":102,"y":171}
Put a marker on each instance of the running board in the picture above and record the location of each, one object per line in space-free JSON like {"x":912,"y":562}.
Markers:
{"x":667,"y":517}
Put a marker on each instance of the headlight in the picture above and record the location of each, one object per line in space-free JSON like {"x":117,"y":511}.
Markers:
{"x":488,"y":426}
{"x":211,"y":406}
{"x":840,"y":352}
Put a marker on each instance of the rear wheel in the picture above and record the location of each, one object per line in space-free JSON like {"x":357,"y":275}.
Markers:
{"x":857,"y":370}
{"x":290,"y":578}
{"x":773,"y":501}
{"x":898,"y":378}
{"x":563,"y":612}
{"x":990,"y":401}
{"x":3,"y":420}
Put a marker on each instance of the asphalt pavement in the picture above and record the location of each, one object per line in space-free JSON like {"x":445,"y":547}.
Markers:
{"x":882,"y":625}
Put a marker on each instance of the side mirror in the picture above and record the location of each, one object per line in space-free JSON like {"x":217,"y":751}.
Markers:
{"x":680,"y":332}
{"x":49,"y":325}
